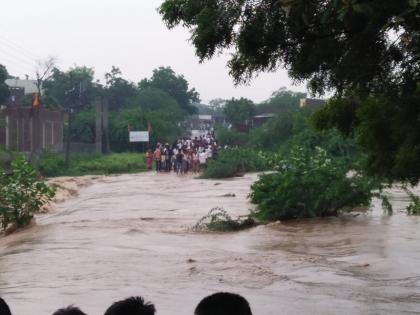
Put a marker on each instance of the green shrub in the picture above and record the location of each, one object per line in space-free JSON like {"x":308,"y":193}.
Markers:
{"x":233,"y":162}
{"x":219,"y":220}
{"x":21,"y":194}
{"x":6,"y":157}
{"x":230,"y":137}
{"x":309,"y":184}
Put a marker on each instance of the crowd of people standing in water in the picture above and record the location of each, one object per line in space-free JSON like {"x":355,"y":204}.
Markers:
{"x":185,"y":155}
{"x":221,"y":303}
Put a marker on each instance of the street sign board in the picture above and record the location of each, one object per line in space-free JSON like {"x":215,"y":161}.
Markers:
{"x":139,"y":136}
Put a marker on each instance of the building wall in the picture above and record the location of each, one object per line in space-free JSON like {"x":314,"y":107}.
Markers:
{"x":30,"y":130}
{"x":16,"y":97}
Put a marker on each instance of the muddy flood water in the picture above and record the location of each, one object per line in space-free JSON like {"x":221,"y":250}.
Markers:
{"x":130,"y":235}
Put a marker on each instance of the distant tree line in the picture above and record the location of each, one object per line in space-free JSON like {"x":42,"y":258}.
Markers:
{"x":161,"y":101}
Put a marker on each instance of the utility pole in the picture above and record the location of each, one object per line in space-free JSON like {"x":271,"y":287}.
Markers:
{"x":99,"y":129}
{"x":70,"y":119}
{"x":67,"y":152}
{"x":102,"y":126}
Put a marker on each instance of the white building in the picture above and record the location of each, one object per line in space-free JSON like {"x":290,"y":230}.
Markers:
{"x":28,"y":85}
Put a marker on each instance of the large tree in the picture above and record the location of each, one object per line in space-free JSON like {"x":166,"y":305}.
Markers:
{"x":175,"y":85}
{"x":73,"y":89}
{"x":4,"y":89}
{"x":118,"y":90}
{"x":239,"y":111}
{"x":366,"y":52}
{"x":281,"y":100}
{"x":44,"y":70}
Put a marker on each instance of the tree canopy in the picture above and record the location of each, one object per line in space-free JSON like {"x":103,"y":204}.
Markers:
{"x":365,"y":52}
{"x":73,"y":88}
{"x":282,"y":100}
{"x":334,"y":44}
{"x":118,"y":90}
{"x":239,"y":111}
{"x":161,"y":101}
{"x":165,"y":79}
{"x":4,"y":89}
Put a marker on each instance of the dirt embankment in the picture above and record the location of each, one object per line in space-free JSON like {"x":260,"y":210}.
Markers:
{"x":66,"y":188}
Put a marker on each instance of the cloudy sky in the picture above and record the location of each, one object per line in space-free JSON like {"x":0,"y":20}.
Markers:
{"x":126,"y":33}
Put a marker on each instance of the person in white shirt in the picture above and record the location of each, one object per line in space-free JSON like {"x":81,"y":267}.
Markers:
{"x":202,"y":156}
{"x":209,"y":152}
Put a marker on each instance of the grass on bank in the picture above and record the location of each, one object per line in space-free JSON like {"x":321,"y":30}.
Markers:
{"x":52,"y":164}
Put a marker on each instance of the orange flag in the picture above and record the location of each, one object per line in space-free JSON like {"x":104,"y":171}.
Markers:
{"x":149,"y":126}
{"x":35,"y":103}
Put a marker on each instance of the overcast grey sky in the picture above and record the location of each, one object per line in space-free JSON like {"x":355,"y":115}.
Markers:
{"x":126,"y":33}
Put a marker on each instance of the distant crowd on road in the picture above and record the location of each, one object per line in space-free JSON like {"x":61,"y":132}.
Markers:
{"x":221,"y":303}
{"x":185,"y":155}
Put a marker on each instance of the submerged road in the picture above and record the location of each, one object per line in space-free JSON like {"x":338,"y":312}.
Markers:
{"x":131,"y":235}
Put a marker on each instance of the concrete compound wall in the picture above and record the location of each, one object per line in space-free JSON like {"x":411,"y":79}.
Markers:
{"x":30,"y":130}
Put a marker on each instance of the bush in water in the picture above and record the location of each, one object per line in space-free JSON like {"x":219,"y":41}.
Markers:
{"x":233,"y":162}
{"x":218,"y":220}
{"x":309,"y":184}
{"x":21,"y":194}
{"x":414,"y":206}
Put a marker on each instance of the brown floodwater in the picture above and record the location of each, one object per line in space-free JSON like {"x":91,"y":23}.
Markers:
{"x":131,"y":235}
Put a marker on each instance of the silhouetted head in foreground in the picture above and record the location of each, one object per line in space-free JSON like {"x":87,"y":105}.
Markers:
{"x":4,"y":308}
{"x":131,"y":306}
{"x":223,"y":304}
{"x":71,"y":310}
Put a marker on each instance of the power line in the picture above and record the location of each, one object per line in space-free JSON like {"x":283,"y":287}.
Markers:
{"x":14,"y":64}
{"x":24,"y":51}
{"x":32,"y":63}
{"x":16,"y":71}
{"x":16,"y":51}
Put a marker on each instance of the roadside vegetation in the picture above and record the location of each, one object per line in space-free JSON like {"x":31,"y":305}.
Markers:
{"x":52,"y":164}
{"x":375,"y":91}
{"x":309,"y":170}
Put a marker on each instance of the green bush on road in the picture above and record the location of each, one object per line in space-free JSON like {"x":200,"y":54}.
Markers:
{"x":233,"y":162}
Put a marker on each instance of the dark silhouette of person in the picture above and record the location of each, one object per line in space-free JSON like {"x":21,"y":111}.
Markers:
{"x":4,"y":308}
{"x":70,"y":310}
{"x":223,"y":303}
{"x":131,"y":306}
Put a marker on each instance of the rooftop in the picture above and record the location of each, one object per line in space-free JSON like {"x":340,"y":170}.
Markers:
{"x":29,"y":85}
